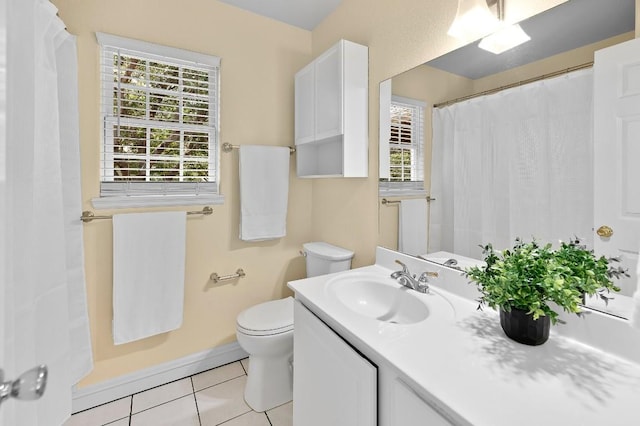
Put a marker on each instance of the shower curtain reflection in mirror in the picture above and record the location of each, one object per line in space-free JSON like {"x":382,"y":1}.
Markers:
{"x":514,"y":164}
{"x":518,"y":163}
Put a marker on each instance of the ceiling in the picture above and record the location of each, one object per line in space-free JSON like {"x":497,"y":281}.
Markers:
{"x":568,"y":26}
{"x":306,"y":14}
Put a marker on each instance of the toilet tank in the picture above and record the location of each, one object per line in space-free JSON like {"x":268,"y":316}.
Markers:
{"x":323,"y":258}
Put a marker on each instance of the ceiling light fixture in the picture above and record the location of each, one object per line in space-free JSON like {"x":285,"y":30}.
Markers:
{"x":473,"y":20}
{"x":506,"y":38}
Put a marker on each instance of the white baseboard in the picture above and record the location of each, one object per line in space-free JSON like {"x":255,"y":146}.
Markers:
{"x":120,"y":387}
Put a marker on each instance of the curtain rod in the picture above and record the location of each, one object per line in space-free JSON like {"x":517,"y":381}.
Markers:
{"x":519,"y":83}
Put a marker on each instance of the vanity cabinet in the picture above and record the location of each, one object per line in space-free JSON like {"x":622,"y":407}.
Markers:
{"x":331,"y":113}
{"x":335,"y":384}
{"x":332,"y":383}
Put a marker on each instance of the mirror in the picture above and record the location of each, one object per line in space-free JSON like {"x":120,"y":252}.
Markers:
{"x":562,"y":38}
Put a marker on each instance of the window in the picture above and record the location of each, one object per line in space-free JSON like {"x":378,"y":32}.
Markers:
{"x":406,"y":147}
{"x":160,"y":125}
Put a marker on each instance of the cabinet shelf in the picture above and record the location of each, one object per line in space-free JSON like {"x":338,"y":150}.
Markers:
{"x":321,"y":159}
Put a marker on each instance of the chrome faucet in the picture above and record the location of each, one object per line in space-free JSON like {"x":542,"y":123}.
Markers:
{"x":405,"y":278}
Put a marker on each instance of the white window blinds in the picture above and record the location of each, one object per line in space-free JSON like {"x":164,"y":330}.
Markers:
{"x":406,"y":146}
{"x":160,"y":120}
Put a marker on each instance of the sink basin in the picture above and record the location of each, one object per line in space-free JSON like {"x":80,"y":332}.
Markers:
{"x":379,"y":298}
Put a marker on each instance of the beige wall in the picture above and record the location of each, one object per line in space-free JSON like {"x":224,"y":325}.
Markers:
{"x":259,"y":58}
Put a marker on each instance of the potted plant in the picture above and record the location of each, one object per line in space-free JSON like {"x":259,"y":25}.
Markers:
{"x":522,"y":281}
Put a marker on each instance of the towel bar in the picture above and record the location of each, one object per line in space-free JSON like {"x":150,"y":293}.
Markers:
{"x":387,"y":202}
{"x":227,"y":147}
{"x":217,"y":278}
{"x":88,"y":216}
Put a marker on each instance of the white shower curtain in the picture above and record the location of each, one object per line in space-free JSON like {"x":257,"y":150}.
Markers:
{"x":514,"y":164}
{"x":44,"y":308}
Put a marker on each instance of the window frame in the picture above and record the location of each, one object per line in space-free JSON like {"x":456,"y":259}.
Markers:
{"x":412,"y":187}
{"x":123,"y":194}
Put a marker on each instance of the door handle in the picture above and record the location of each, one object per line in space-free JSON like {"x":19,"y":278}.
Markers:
{"x":29,"y":386}
{"x":604,"y":231}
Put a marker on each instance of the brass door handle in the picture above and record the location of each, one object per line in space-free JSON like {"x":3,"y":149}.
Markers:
{"x":604,"y":231}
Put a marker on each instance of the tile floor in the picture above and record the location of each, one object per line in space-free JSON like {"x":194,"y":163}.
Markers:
{"x":213,"y":397}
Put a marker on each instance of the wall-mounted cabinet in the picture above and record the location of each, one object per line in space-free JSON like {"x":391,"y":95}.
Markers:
{"x":331,"y":113}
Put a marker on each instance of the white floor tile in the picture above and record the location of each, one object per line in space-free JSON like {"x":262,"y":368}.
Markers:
{"x":250,"y":419}
{"x":245,"y":364}
{"x":217,"y":375}
{"x":102,"y":414}
{"x":161,"y":394}
{"x":121,"y":422}
{"x":180,"y":412}
{"x":282,"y":415}
{"x":222,"y":402}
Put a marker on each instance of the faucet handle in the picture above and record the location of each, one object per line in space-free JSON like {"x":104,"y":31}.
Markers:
{"x":404,"y":267}
{"x":426,"y":275}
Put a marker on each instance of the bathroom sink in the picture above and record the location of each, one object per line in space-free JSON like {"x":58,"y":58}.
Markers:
{"x":379,"y":297}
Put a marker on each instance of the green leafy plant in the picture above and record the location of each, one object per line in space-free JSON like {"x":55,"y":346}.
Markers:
{"x":530,"y":275}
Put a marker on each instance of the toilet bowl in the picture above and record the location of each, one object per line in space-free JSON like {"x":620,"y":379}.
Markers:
{"x":265,"y":332}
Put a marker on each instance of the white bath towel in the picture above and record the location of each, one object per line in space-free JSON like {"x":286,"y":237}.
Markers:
{"x":412,"y":227}
{"x":264,"y":191}
{"x":148,"y":274}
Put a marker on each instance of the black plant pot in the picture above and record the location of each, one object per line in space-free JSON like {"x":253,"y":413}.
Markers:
{"x":521,"y":327}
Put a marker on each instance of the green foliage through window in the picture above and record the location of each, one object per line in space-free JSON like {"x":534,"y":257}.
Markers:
{"x":161,"y":126}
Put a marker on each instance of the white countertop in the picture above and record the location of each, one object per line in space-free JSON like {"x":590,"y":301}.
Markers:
{"x":466,"y":366}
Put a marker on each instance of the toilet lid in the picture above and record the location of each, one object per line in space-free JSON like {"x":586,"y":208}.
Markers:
{"x":273,"y":317}
{"x":327,"y":251}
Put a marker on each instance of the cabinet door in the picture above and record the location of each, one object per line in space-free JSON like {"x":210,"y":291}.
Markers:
{"x":332,"y":383}
{"x":305,"y":105}
{"x":328,"y":92}
{"x":410,"y":410}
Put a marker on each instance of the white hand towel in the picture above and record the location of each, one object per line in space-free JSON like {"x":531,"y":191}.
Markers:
{"x":148,"y":274}
{"x":264,"y":191}
{"x":412,"y":227}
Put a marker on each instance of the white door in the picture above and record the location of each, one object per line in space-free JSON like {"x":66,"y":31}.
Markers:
{"x":617,"y":157}
{"x":35,"y":321}
{"x":3,"y":140}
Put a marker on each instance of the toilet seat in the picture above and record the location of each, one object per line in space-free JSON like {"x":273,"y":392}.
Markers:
{"x":267,"y":319}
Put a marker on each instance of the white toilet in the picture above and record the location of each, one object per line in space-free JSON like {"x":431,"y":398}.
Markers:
{"x":265,"y":332}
